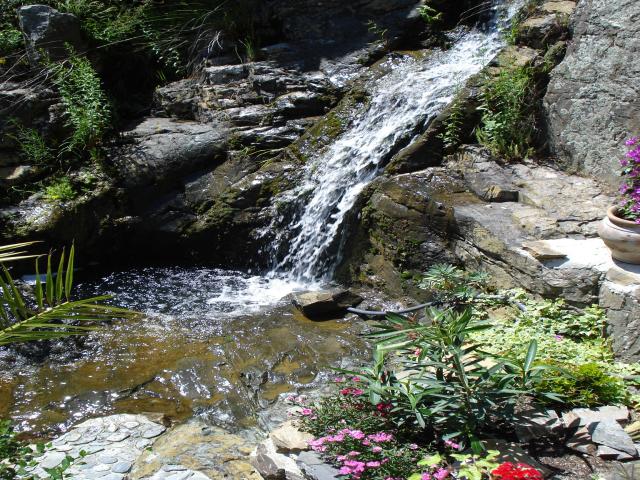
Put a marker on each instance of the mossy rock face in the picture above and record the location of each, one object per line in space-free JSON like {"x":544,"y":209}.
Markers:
{"x":329,"y":127}
{"x":403,"y":229}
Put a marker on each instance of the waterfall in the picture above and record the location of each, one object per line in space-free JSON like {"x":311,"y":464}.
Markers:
{"x":403,"y":101}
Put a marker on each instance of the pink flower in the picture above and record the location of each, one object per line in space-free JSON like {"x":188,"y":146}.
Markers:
{"x":316,"y":442}
{"x":440,"y":474}
{"x":345,"y":471}
{"x":376,"y":449}
{"x":306,"y":412}
{"x":353,"y":453}
{"x":356,"y":379}
{"x":413,"y":446}
{"x":426,"y":476}
{"x":451,"y":444}
{"x":373,"y":464}
{"x":380,"y":437}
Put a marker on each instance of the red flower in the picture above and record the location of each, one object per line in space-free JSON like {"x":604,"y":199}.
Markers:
{"x":383,"y":408}
{"x":352,"y":391}
{"x":519,"y":471}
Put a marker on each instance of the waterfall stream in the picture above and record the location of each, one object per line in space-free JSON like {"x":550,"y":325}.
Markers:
{"x":209,"y":334}
{"x":404,"y":101}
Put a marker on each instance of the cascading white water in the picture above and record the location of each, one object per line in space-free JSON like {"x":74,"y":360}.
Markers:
{"x":402,"y":102}
{"x":410,"y":96}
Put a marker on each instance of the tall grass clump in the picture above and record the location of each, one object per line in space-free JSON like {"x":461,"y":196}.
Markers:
{"x":86,"y":106}
{"x":507,"y":125}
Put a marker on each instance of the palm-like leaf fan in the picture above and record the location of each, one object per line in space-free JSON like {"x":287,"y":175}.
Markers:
{"x":53,"y":314}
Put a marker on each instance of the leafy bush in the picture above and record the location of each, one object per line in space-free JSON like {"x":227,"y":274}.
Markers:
{"x":60,"y":190}
{"x":563,"y":335}
{"x":448,"y":282}
{"x":10,"y":39}
{"x":430,"y":15}
{"x":86,"y":106}
{"x":441,"y":379}
{"x":588,"y":385}
{"x":508,"y":121}
{"x":453,"y":126}
{"x":14,"y":454}
{"x":33,"y":145}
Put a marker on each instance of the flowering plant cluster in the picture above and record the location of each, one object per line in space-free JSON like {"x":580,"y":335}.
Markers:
{"x":357,"y":436}
{"x":518,"y":471}
{"x":630,"y":188}
{"x":362,"y":441}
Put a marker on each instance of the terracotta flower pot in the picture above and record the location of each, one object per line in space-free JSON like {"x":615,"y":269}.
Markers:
{"x":621,"y":236}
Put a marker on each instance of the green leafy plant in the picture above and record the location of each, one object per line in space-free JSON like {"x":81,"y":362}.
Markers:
{"x":449,"y":282}
{"x":52,"y":313}
{"x":10,"y":39}
{"x":86,"y":106}
{"x":378,"y":31}
{"x":17,"y":458}
{"x":467,"y":466}
{"x":587,"y":385}
{"x":60,"y":190}
{"x":453,"y":126}
{"x":32,"y":145}
{"x":508,"y":121}
{"x":430,"y":15}
{"x":442,"y":381}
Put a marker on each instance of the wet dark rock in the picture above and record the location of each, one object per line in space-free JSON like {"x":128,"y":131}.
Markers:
{"x":47,"y":29}
{"x":158,"y":149}
{"x":404,"y":226}
{"x":29,"y":105}
{"x":320,"y":305}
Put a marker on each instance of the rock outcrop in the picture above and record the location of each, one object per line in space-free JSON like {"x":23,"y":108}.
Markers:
{"x":592,"y":103}
{"x":49,"y":31}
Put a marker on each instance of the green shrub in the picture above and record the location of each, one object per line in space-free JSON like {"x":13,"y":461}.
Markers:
{"x":430,"y":15}
{"x":588,"y":385}
{"x":14,"y":454}
{"x":508,"y":122}
{"x":60,"y":190}
{"x":86,"y":106}
{"x":10,"y":39}
{"x":438,"y":379}
{"x":32,"y":145}
{"x":448,"y":282}
{"x":451,"y":136}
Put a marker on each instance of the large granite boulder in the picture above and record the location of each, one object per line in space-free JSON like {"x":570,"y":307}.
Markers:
{"x":594,"y":94}
{"x":46,"y":30}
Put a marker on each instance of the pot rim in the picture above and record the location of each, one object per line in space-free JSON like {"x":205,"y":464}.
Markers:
{"x":621,"y":222}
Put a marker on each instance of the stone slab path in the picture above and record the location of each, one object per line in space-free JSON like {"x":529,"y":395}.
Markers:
{"x":133,"y":447}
